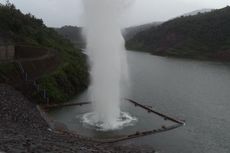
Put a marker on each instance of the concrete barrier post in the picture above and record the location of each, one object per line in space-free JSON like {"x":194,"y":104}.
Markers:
{"x":26,"y":76}
{"x":47,"y":100}
{"x":44,"y":94}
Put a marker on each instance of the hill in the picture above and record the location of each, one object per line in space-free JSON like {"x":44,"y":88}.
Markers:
{"x":198,"y":11}
{"x":73,"y":33}
{"x":71,"y":75}
{"x":129,"y":32}
{"x":203,"y":36}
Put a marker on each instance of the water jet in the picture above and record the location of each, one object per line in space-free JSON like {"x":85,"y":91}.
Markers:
{"x":107,"y":60}
{"x":105,"y":118}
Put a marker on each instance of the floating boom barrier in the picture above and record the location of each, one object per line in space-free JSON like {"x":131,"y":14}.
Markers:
{"x":50,"y":106}
{"x":138,"y":134}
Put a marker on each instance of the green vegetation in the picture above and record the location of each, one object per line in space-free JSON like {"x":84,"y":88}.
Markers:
{"x":205,"y":35}
{"x":71,"y":77}
{"x":65,"y":82}
{"x":8,"y":72}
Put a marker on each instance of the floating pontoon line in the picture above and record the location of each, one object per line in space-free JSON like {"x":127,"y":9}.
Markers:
{"x":157,"y":113}
{"x":50,"y":106}
{"x":138,"y":134}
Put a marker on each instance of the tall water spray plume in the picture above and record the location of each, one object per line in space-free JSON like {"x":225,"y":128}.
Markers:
{"x":107,"y":58}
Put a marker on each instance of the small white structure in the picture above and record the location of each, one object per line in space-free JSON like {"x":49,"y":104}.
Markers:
{"x":7,"y":52}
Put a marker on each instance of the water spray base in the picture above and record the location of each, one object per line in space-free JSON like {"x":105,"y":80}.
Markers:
{"x":176,"y":122}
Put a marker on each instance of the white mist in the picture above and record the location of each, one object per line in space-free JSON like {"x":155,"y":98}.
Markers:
{"x":107,"y":58}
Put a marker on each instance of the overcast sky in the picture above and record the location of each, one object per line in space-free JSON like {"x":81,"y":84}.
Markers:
{"x":56,"y":13}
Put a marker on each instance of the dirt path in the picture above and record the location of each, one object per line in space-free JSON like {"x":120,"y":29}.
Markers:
{"x":35,"y":58}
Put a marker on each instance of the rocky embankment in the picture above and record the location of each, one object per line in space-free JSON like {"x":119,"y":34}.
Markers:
{"x":23,"y":130}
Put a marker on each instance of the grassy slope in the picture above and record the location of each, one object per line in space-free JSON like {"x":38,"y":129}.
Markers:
{"x":206,"y":35}
{"x":72,"y":75}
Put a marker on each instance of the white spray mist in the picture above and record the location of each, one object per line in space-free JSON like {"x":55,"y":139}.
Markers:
{"x":107,"y":58}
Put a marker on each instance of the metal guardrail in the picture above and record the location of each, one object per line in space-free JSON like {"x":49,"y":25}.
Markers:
{"x":43,"y":93}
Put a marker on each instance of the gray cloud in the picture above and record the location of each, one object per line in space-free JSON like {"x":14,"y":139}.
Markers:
{"x":57,"y":13}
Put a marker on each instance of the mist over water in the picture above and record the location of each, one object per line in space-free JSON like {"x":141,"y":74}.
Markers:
{"x":107,"y":59}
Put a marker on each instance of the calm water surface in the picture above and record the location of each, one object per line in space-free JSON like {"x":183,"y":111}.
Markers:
{"x":197,"y":91}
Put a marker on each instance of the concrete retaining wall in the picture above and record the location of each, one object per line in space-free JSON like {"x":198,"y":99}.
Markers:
{"x":7,"y":52}
{"x":24,"y":52}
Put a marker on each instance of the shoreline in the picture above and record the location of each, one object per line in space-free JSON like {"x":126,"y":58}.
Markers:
{"x":183,"y":57}
{"x":24,"y":129}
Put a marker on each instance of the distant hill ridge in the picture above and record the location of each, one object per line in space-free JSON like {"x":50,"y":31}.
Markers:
{"x":198,"y":11}
{"x":205,"y":35}
{"x":73,"y":33}
{"x":132,"y":31}
{"x":129,"y":32}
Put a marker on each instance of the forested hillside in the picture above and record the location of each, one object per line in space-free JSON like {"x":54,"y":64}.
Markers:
{"x":203,"y":36}
{"x":71,"y":76}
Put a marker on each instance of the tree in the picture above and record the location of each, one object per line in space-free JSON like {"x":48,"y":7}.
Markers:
{"x":8,"y":3}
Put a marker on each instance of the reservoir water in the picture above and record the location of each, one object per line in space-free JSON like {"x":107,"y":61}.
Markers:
{"x":196,"y":91}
